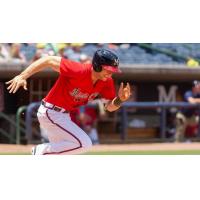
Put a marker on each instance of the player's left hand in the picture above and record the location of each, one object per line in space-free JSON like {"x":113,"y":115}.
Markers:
{"x":124,"y":92}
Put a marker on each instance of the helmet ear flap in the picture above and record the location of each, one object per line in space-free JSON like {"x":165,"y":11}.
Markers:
{"x":97,"y":68}
{"x":96,"y":63}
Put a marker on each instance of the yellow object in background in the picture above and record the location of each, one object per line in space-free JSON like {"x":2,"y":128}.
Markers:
{"x":192,"y":63}
{"x":41,"y":45}
{"x":61,"y":45}
{"x":77,"y":44}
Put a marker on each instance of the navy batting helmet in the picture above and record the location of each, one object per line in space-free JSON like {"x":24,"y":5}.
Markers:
{"x":105,"y":59}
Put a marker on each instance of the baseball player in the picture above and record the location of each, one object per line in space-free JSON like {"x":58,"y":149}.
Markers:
{"x":76,"y":85}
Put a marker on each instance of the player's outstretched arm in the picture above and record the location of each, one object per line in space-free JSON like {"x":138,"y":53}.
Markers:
{"x":123,"y":95}
{"x":42,"y":63}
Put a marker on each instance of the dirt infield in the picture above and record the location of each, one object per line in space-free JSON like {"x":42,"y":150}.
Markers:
{"x":146,"y":147}
{"x":11,"y":148}
{"x":8,"y":148}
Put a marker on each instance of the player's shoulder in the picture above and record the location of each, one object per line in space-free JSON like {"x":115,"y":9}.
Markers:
{"x":67,"y":61}
{"x":75,"y":65}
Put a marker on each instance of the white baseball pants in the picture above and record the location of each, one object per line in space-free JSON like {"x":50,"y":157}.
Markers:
{"x":65,"y":137}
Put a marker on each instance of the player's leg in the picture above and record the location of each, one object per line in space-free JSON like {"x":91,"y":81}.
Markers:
{"x":65,"y":137}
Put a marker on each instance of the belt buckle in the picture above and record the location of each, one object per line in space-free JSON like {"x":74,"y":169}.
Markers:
{"x":57,"y":109}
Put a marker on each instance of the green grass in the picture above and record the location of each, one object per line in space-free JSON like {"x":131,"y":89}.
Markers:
{"x":156,"y":152}
{"x":15,"y":153}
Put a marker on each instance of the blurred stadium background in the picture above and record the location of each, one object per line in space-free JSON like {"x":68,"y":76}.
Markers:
{"x":158,"y":72}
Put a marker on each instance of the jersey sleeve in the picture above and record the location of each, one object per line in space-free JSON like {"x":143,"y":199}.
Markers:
{"x":70,"y":68}
{"x":108,"y":92}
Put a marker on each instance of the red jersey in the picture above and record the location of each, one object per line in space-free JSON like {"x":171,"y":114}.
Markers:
{"x":74,"y":86}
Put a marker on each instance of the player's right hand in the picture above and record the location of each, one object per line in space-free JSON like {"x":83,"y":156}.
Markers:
{"x":124,"y":92}
{"x":16,"y":83}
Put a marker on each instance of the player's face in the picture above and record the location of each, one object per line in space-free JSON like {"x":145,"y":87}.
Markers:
{"x":105,"y":74}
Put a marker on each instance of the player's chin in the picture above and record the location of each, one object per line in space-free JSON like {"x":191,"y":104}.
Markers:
{"x":104,"y":79}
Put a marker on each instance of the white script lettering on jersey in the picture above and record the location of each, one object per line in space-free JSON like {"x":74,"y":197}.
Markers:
{"x":78,"y":95}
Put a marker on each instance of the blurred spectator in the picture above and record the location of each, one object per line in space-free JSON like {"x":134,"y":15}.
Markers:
{"x":188,"y":118}
{"x":38,"y":54}
{"x":16,"y":55}
{"x":61,"y":49}
{"x":124,"y":46}
{"x":74,"y":51}
{"x":41,"y":51}
{"x":113,"y":46}
{"x":85,"y":59}
{"x":101,"y":45}
{"x":128,"y":52}
{"x":51,"y":49}
{"x":28,"y":51}
{"x":41,"y":45}
{"x":4,"y":52}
